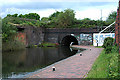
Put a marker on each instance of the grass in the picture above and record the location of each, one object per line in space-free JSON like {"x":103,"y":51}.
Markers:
{"x":47,"y":44}
{"x":98,"y":47}
{"x":44,"y":44}
{"x":105,"y":66}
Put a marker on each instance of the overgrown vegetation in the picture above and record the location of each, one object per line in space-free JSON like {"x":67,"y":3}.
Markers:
{"x":106,"y":65}
{"x":108,"y":43}
{"x":27,"y":16}
{"x":66,"y":19}
{"x":44,"y":44}
{"x":9,"y":32}
{"x":63,"y":19}
{"x":12,"y":46}
{"x":111,"y":18}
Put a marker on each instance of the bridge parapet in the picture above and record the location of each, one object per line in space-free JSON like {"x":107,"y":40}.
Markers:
{"x":71,"y":30}
{"x":36,"y":35}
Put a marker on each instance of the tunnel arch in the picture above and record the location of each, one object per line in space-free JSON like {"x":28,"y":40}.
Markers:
{"x":66,"y":41}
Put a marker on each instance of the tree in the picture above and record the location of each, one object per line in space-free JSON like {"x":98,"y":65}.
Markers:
{"x":14,"y":15}
{"x":112,"y":17}
{"x":66,"y":18}
{"x":8,"y":30}
{"x":21,"y":16}
{"x":54,"y":15}
{"x":8,"y":15}
{"x":86,"y":19}
{"x":45,"y":19}
{"x":32,"y":16}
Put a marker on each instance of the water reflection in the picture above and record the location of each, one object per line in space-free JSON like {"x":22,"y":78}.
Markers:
{"x":32,"y":59}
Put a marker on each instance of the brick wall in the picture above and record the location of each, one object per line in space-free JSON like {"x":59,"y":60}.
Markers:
{"x":21,"y":37}
{"x":117,"y":27}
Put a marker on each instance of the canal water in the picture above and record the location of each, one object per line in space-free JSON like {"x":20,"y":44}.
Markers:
{"x":29,"y":60}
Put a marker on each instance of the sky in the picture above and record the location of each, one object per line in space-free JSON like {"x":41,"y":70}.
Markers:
{"x":92,"y":9}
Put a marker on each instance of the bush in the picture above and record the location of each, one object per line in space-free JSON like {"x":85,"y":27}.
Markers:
{"x":108,"y":49}
{"x":13,"y":45}
{"x":108,"y":43}
{"x":114,"y":63}
{"x":47,"y":44}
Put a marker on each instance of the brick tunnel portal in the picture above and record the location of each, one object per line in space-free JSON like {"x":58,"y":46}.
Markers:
{"x":66,"y":41}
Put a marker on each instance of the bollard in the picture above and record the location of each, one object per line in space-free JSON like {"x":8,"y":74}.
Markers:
{"x":53,"y":68}
{"x":80,"y":54}
{"x":90,"y":49}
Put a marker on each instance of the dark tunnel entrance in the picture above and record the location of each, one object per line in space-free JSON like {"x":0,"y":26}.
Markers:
{"x":66,"y":41}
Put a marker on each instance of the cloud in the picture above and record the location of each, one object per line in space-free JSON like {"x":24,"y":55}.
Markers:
{"x":42,"y":13}
{"x":33,"y":5}
{"x":62,"y":0}
{"x":95,"y":12}
{"x":53,"y":5}
{"x":83,"y":8}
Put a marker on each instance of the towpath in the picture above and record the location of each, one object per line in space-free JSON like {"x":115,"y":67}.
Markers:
{"x":73,"y":67}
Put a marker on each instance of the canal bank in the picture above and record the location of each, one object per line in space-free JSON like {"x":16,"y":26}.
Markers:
{"x":76,"y":66}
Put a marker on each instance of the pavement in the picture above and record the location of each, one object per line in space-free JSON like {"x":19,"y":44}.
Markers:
{"x":73,"y":67}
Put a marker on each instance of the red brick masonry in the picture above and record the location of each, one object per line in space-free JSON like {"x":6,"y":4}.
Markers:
{"x":117,"y":27}
{"x":21,"y":37}
{"x":73,"y":67}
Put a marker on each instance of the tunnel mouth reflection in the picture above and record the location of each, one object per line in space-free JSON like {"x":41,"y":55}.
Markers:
{"x":18,"y":63}
{"x":67,"y":40}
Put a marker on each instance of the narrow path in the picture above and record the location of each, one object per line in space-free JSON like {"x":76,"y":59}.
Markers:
{"x":73,"y":67}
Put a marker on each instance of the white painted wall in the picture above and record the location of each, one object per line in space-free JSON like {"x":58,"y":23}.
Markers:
{"x":101,"y":37}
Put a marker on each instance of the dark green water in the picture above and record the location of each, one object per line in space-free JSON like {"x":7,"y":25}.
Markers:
{"x":21,"y":62}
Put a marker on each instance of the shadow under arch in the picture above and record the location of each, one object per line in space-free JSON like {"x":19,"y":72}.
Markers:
{"x":66,"y":41}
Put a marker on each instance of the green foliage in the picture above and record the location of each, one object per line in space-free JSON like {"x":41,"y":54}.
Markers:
{"x":27,"y":16}
{"x":100,"y":67}
{"x":106,"y":65}
{"x":111,"y":18}
{"x":8,"y":30}
{"x":54,"y":15}
{"x":12,"y":45}
{"x":108,"y":43}
{"x":47,"y":44}
{"x":31,"y":16}
{"x":44,"y":21}
{"x":66,"y":18}
{"x":108,"y":49}
{"x":21,"y":16}
{"x":22,"y":22}
{"x":8,"y":15}
{"x":113,"y":63}
{"x":8,"y":35}
{"x":38,"y":24}
{"x":14,"y":15}
{"x":14,"y":20}
{"x":63,"y":19}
